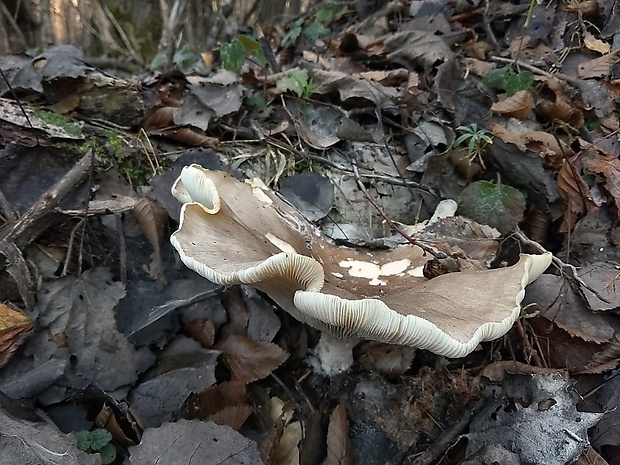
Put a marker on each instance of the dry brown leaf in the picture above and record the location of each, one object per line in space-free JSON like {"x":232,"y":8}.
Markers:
{"x":590,"y":457}
{"x":605,"y":360}
{"x":508,"y":136}
{"x":550,"y":147}
{"x":152,"y":218}
{"x":15,"y":326}
{"x":338,"y":445}
{"x":594,"y":44}
{"x":249,"y":360}
{"x":574,"y":193}
{"x":496,"y":371}
{"x":234,"y":416}
{"x":224,"y":403}
{"x":387,"y":359}
{"x":608,"y":167}
{"x":280,"y":446}
{"x":477,"y":67}
{"x":517,"y":106}
{"x":217,"y":397}
{"x":585,"y":7}
{"x":598,"y":67}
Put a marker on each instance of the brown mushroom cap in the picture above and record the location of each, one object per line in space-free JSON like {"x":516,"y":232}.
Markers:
{"x":243,"y":233}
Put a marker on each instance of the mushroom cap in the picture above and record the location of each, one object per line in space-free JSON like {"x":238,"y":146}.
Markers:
{"x":233,"y":232}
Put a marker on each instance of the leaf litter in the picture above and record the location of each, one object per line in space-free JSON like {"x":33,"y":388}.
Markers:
{"x":99,"y":305}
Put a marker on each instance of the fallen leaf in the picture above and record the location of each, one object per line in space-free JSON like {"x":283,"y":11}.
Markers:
{"x":517,"y":106}
{"x":609,"y":168}
{"x":189,"y":442}
{"x":497,"y":205}
{"x":574,"y":193}
{"x":594,"y":44}
{"x":534,"y":415}
{"x":250,"y":360}
{"x":338,"y":446}
{"x":598,"y":67}
{"x":15,"y":326}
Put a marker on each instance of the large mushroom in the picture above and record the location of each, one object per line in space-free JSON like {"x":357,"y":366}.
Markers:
{"x":234,"y":232}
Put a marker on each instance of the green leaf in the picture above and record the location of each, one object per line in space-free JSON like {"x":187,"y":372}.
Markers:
{"x":257,"y":101}
{"x":99,"y":438}
{"x":184,"y":56}
{"x":326,"y":14}
{"x":316,"y":31}
{"x":461,"y":139}
{"x":295,"y":82}
{"x":292,"y":35}
{"x":472,"y":146}
{"x":108,"y":454}
{"x":496,"y":205}
{"x":252,"y":47}
{"x":158,"y":61}
{"x":83,"y":440}
{"x":233,"y":55}
{"x":496,"y":78}
{"x":519,"y":81}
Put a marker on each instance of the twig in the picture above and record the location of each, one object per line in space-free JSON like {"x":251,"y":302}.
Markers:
{"x":331,"y":164}
{"x":435,"y":253}
{"x":573,"y":274}
{"x":29,"y":227}
{"x":444,"y":441}
{"x":534,"y":69}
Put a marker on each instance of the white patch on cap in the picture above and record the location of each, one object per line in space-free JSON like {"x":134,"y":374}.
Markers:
{"x":394,"y":268}
{"x":417,"y":272}
{"x":280,"y":244}
{"x":372,"y":272}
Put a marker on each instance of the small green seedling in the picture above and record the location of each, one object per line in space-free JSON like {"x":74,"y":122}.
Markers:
{"x":476,"y":138}
{"x":235,"y":52}
{"x":507,"y":79}
{"x":296,"y":82}
{"x":97,"y":442}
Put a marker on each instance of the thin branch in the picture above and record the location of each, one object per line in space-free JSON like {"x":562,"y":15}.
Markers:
{"x":435,"y":253}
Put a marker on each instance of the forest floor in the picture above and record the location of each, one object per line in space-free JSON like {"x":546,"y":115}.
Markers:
{"x":365,"y":122}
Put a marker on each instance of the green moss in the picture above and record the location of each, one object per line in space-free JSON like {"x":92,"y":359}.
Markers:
{"x":60,"y":121}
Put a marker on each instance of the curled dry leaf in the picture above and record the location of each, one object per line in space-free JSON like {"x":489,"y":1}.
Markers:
{"x":574,"y":193}
{"x":609,"y":168}
{"x":152,"y":218}
{"x":233,"y":232}
{"x":518,"y":105}
{"x":598,"y":67}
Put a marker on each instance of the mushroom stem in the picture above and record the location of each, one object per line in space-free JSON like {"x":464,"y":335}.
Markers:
{"x":334,"y":354}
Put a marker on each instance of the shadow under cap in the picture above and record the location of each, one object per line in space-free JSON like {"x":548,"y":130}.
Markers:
{"x":243,"y":233}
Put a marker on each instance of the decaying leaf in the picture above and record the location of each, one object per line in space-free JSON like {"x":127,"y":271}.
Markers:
{"x":250,"y":360}
{"x":497,"y":205}
{"x":518,"y":105}
{"x":15,"y":326}
{"x":224,"y":404}
{"x":534,"y":415}
{"x":338,"y":446}
{"x":609,"y":168}
{"x":76,"y":319}
{"x":281,"y":445}
{"x":574,"y":193}
{"x":152,"y":218}
{"x":194,"y":442}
